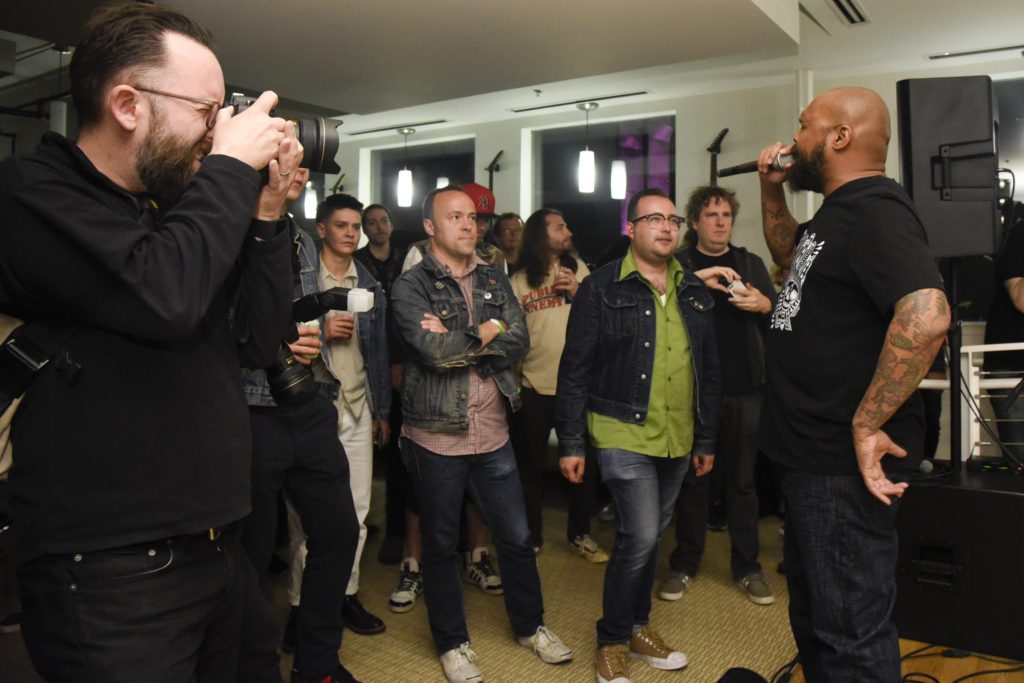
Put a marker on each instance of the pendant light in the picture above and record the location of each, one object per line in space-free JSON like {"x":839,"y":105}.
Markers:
{"x":587,"y":167}
{"x":309,"y":202}
{"x":618,"y":179}
{"x":404,"y":190}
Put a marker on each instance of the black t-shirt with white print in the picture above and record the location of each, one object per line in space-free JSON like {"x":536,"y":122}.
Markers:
{"x":863,"y":251}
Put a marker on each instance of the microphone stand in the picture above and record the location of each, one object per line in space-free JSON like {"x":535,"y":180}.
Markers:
{"x":715,"y":149}
{"x":955,"y":383}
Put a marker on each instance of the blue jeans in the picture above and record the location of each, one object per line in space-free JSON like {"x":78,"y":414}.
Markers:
{"x":840,"y":551}
{"x":493,"y":481}
{"x":644,"y":489}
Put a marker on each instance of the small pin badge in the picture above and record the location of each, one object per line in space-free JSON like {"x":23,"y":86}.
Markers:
{"x":438,"y":285}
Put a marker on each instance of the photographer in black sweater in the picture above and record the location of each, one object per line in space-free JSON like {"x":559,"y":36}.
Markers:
{"x":162,"y":277}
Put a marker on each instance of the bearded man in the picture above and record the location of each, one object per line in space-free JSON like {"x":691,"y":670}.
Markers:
{"x":145,"y":280}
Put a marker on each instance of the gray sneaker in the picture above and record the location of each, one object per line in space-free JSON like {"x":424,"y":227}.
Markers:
{"x":757,"y":589}
{"x":674,"y":584}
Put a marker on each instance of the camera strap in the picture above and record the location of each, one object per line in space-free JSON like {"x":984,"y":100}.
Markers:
{"x":26,"y":351}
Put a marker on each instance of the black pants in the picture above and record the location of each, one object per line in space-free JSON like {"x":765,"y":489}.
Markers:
{"x":732,"y":478}
{"x":296,"y":449}
{"x":399,"y":494}
{"x":531,"y":427}
{"x":166,"y":611}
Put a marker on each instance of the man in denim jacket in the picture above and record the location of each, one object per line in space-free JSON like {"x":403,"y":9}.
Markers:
{"x":639,"y":375}
{"x":295,"y":448}
{"x":464,"y":331}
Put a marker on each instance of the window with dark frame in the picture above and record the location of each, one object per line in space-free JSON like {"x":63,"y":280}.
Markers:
{"x":596,"y":220}
{"x":428,"y":162}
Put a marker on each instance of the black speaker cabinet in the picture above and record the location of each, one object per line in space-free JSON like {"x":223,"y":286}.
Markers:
{"x":948,"y":161}
{"x":961,"y":564}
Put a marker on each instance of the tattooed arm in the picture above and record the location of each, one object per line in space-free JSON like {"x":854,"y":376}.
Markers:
{"x":919,"y":324}
{"x":779,"y":225}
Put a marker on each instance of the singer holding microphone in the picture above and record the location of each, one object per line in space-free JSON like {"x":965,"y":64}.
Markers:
{"x":857,"y":324}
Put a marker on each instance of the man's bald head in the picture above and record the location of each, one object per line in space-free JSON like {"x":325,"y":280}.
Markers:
{"x":865,"y":112}
{"x":844,"y":134}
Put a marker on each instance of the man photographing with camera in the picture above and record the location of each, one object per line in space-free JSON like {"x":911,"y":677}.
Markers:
{"x":148,"y":250}
{"x":296,"y":451}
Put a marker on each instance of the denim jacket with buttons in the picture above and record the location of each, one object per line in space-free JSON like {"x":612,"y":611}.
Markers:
{"x":435,"y":382}
{"x":609,"y":350}
{"x":372,"y":326}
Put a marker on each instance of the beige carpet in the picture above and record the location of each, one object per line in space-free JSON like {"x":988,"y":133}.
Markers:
{"x":714,"y":624}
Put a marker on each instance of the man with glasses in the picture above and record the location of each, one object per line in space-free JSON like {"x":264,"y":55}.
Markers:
{"x":149,"y":265}
{"x":639,"y":377}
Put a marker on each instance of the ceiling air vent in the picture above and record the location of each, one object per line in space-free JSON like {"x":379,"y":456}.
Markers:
{"x":849,"y":12}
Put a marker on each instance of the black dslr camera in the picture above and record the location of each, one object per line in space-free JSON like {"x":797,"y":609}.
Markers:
{"x":290,"y":381}
{"x":319,"y":137}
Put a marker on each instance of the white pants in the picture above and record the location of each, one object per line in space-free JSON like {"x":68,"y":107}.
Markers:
{"x":356,"y":436}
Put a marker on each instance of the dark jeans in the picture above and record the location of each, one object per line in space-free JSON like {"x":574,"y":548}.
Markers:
{"x":166,"y":611}
{"x":296,"y":449}
{"x":1011,"y":421}
{"x":840,"y":549}
{"x":399,"y":494}
{"x":440,"y":481}
{"x":732,"y":479}
{"x":531,"y":427}
{"x":644,"y":489}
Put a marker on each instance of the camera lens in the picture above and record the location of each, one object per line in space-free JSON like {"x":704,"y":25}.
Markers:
{"x":319,"y":138}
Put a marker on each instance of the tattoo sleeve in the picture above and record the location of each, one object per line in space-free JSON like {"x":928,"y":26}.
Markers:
{"x":779,"y":225}
{"x":919,"y":324}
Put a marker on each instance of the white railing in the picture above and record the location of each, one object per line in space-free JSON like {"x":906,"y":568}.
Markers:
{"x":974,"y":438}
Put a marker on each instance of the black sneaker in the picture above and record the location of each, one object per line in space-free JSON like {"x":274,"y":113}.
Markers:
{"x":288,"y":639}
{"x":358,"y":620}
{"x":339,"y":675}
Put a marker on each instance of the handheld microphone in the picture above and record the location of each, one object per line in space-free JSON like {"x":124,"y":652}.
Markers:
{"x":751,"y":166}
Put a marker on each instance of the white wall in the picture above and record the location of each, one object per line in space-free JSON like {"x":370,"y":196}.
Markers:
{"x":755,"y":118}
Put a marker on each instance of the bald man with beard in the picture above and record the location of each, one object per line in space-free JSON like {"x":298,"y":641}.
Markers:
{"x":858,"y":322}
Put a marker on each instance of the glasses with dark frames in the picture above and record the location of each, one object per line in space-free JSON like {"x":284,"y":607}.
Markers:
{"x":656,"y":220}
{"x":211,"y":114}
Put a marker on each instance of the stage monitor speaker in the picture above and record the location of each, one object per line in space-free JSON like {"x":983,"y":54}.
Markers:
{"x":961,"y":563}
{"x":948,"y":161}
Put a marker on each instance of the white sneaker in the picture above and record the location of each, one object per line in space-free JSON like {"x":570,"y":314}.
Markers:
{"x":547,"y":646}
{"x":481,"y":574}
{"x":410,"y":586}
{"x":459,"y":667}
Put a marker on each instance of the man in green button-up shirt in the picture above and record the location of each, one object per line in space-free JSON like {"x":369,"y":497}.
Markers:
{"x":640,"y":371}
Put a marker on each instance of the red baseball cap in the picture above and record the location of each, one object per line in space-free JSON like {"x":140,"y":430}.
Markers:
{"x":483,"y":199}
